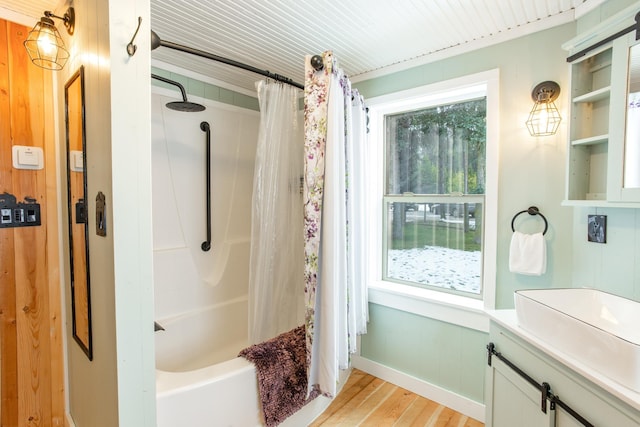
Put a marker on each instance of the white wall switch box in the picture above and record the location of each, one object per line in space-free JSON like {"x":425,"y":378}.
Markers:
{"x":76,"y":162}
{"x":25,"y":157}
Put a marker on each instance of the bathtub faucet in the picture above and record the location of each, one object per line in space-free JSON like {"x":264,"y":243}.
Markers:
{"x":157,"y":327}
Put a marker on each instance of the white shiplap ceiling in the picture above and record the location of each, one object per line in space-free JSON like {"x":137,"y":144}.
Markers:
{"x":368,"y":37}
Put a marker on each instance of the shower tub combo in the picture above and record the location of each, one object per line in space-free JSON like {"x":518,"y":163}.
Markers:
{"x":201,"y":296}
{"x":199,"y":379}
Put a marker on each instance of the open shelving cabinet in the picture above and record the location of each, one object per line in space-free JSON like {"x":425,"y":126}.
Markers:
{"x":589,"y":128}
{"x":599,"y":87}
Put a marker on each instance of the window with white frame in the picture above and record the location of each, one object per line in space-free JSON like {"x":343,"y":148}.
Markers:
{"x":437,"y":219}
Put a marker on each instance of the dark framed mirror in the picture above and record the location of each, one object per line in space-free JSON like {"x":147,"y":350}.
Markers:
{"x":77,"y":208}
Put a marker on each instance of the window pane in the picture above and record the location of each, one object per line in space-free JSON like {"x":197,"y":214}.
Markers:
{"x":438,"y":150}
{"x":435,"y":244}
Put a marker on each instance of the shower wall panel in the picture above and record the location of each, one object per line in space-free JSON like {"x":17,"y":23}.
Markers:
{"x":187,"y":278}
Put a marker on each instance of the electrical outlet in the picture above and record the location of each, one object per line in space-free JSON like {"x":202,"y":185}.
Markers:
{"x":597,"y":228}
{"x":18,"y":214}
{"x":5,"y":216}
{"x":32,"y":215}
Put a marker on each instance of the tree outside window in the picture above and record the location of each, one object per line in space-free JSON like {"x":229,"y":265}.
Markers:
{"x":435,"y":173}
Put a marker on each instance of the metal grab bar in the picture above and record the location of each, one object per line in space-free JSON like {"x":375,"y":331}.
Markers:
{"x":206,"y":245}
{"x":545,"y":388}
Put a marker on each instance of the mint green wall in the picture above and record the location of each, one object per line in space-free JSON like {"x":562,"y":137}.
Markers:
{"x":614,"y":266}
{"x":446,"y":355}
{"x":205,"y":90}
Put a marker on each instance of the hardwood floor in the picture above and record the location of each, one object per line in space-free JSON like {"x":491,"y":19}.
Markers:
{"x":369,"y":401}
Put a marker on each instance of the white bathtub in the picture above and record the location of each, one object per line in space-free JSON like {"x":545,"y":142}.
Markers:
{"x":199,"y":379}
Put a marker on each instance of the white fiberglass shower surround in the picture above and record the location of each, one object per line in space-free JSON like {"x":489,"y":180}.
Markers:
{"x":201,"y":297}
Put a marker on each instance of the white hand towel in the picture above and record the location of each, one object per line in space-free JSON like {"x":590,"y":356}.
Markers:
{"x":528,"y":254}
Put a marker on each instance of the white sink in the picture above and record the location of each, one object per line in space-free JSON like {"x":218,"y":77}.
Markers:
{"x":596,"y":328}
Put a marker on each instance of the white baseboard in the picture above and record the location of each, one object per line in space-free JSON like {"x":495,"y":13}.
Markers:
{"x":452,"y":400}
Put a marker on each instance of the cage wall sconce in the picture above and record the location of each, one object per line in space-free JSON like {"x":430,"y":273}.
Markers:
{"x":544,"y":118}
{"x":45,"y":45}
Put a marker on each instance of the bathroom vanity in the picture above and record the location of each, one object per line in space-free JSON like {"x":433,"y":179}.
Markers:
{"x":532,"y":383}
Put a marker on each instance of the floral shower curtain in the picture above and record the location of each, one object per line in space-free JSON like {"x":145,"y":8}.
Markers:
{"x":276,"y":300}
{"x":335,"y":282}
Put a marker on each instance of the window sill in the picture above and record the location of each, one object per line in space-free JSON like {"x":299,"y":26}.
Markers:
{"x":454,"y":309}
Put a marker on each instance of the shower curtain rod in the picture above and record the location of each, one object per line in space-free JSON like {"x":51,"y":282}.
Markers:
{"x":156,"y":41}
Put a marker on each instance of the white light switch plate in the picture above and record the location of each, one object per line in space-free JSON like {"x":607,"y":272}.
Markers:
{"x":76,"y":162}
{"x":25,"y":157}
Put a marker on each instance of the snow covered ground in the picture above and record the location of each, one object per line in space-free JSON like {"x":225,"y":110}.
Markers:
{"x":436,"y":266}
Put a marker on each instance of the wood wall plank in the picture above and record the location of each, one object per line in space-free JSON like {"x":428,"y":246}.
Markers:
{"x":31,"y":361}
{"x":27,"y":122}
{"x":8,"y":332}
{"x":51,"y":219}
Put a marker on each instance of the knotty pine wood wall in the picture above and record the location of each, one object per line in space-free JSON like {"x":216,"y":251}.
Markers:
{"x":31,"y":361}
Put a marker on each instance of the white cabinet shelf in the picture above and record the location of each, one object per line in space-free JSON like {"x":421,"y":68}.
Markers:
{"x":598,"y":67}
{"x":591,"y":140}
{"x":589,"y":127}
{"x":593,"y":96}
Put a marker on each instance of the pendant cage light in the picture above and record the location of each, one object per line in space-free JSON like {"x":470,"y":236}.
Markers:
{"x":544,"y":118}
{"x":44,"y":44}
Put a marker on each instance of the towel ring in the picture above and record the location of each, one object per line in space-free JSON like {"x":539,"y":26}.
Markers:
{"x":531,"y":211}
